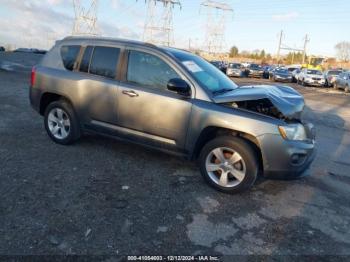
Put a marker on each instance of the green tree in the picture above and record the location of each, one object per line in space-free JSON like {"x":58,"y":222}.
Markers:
{"x":234,"y":51}
{"x":262,"y":54}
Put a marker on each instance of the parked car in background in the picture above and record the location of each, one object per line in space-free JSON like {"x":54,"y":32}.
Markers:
{"x":2,"y":49}
{"x":282,"y":75}
{"x":266,"y":71}
{"x":331,"y":76}
{"x":343,"y":81}
{"x":220,"y":65}
{"x":173,"y":101}
{"x":234,"y":70}
{"x":255,"y":70}
{"x":311,"y":77}
{"x":295,"y":75}
{"x":40,"y":51}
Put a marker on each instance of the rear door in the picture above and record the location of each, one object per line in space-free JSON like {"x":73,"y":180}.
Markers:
{"x":98,"y":77}
{"x":146,"y":107}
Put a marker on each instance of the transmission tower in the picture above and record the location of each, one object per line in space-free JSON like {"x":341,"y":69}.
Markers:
{"x":159,"y":22}
{"x":217,"y":12}
{"x":85,"y":22}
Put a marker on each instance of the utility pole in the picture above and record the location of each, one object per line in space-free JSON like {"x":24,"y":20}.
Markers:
{"x":306,"y":40}
{"x":216,"y":25}
{"x":279,"y":46}
{"x":282,"y":46}
{"x":159,"y":22}
{"x":85,"y":22}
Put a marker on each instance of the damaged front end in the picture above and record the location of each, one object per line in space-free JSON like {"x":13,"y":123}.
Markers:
{"x":281,"y":102}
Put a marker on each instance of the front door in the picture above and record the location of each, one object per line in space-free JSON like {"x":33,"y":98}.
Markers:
{"x":146,"y":107}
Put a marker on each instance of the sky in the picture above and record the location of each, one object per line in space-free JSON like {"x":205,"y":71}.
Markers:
{"x":254,"y":24}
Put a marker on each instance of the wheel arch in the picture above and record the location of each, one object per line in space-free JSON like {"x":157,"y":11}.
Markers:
{"x":211,"y":132}
{"x":50,"y":97}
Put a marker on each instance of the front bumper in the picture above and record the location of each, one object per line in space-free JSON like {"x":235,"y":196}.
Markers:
{"x":284,"y":79}
{"x":255,"y":74}
{"x":315,"y":82}
{"x":234,"y":73}
{"x":287,"y":159}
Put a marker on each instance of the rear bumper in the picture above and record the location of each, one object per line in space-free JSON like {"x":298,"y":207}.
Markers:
{"x":286,"y":159}
{"x":34,"y":98}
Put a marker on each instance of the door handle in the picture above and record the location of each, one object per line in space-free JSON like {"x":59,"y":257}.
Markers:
{"x":130,"y":93}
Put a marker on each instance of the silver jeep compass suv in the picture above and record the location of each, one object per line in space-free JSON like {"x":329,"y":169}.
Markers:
{"x":174,"y":101}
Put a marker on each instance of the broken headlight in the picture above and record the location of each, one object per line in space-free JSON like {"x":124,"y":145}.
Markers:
{"x":293,"y":132}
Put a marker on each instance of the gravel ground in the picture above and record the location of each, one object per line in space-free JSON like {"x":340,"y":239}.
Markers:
{"x":104,"y":197}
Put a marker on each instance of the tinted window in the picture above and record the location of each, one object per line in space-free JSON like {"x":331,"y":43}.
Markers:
{"x":69,"y":55}
{"x":104,"y":61}
{"x":85,"y":61}
{"x":149,"y":70}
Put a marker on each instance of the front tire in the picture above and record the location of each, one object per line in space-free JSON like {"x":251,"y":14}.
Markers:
{"x":61,"y":123}
{"x":229,"y":164}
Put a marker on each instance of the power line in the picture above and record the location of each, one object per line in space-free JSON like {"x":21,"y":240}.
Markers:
{"x":282,"y":46}
{"x":85,"y":21}
{"x":216,"y":24}
{"x":158,"y":27}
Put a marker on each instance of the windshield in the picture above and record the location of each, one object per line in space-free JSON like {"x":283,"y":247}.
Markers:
{"x":235,"y":66}
{"x":314,"y":72}
{"x":205,"y":73}
{"x":334,"y":72}
{"x":255,"y":67}
{"x":282,"y":71}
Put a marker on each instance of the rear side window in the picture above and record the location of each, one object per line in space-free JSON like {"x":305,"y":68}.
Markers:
{"x":85,"y":61}
{"x":69,"y":54}
{"x":104,"y":61}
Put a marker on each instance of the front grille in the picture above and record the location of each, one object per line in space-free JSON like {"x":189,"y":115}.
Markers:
{"x":316,"y":78}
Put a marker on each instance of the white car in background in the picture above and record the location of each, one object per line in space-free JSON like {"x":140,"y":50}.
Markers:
{"x":311,"y":77}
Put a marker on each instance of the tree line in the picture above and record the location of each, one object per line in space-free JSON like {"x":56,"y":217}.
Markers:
{"x":342,"y":51}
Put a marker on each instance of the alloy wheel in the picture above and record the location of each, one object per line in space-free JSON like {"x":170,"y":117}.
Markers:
{"x":225,"y":167}
{"x":59,"y":123}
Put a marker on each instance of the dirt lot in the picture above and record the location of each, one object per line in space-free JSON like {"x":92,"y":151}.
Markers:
{"x":101,"y":196}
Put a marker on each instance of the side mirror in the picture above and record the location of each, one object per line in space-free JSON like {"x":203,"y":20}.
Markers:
{"x":179,"y":86}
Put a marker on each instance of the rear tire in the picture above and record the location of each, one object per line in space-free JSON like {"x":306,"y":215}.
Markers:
{"x":61,"y":123}
{"x":237,"y":158}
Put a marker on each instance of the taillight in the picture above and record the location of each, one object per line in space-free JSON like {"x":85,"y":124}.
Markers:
{"x":32,"y":77}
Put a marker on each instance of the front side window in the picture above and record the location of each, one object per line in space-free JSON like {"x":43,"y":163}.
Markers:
{"x":69,"y":54}
{"x":104,"y":61}
{"x":149,"y":70}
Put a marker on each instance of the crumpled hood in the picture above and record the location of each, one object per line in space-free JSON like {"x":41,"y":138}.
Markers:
{"x":287,"y":100}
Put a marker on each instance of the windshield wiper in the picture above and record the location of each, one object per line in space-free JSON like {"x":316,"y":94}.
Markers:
{"x":221,"y":91}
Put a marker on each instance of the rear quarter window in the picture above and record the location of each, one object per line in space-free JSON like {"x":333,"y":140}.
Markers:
{"x":69,"y":55}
